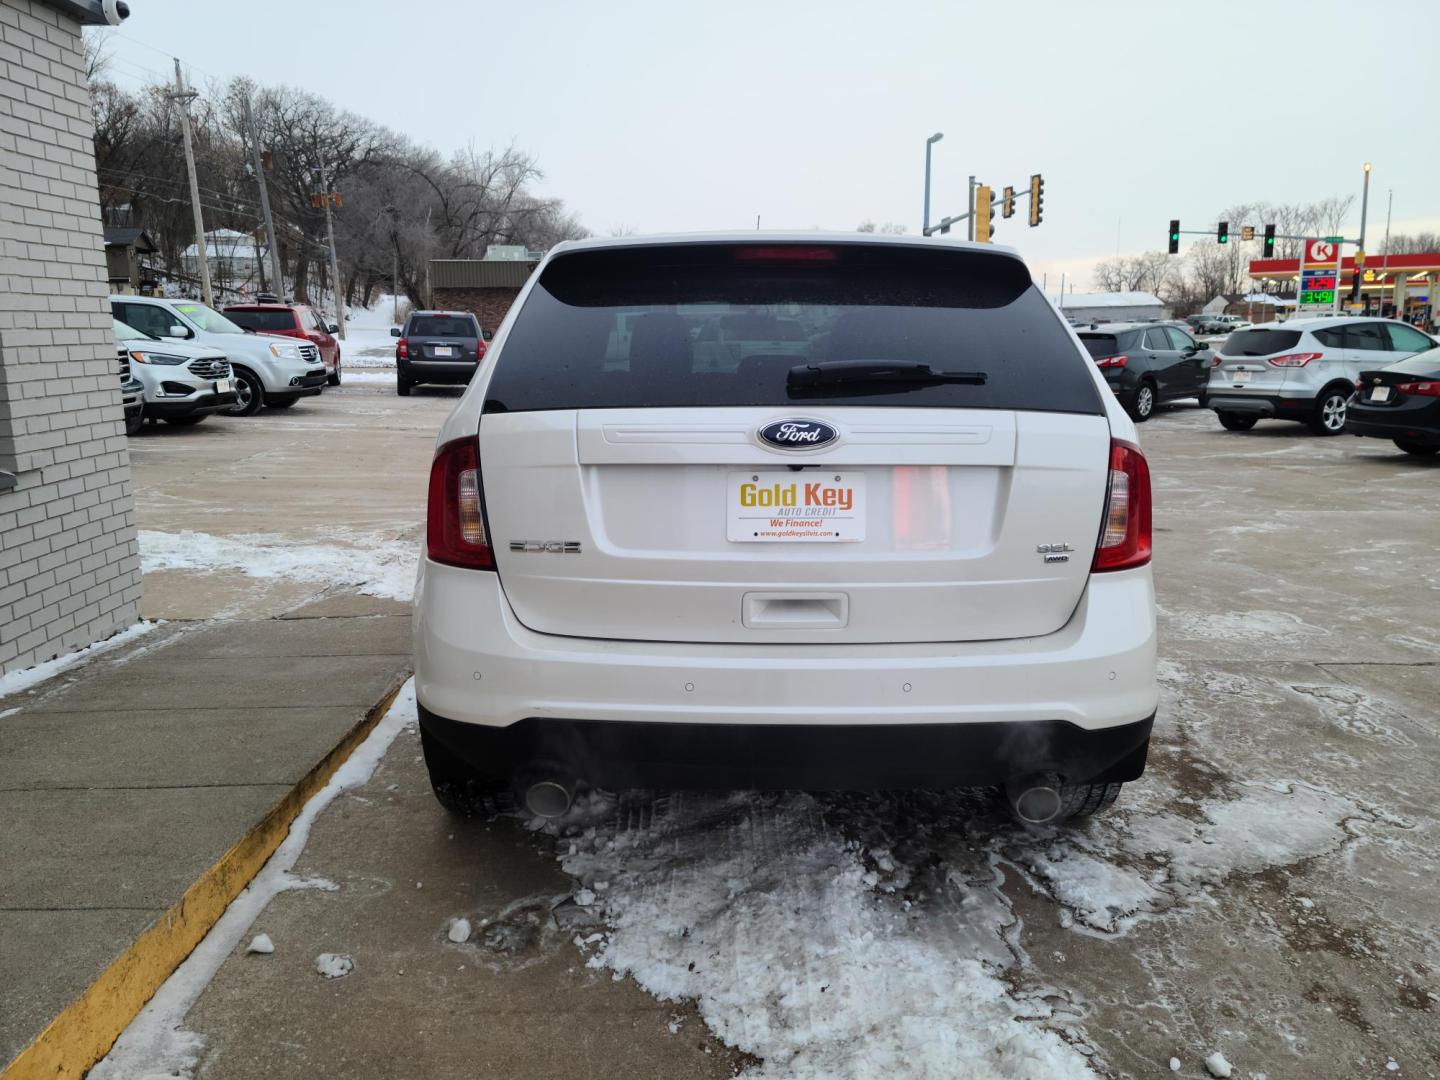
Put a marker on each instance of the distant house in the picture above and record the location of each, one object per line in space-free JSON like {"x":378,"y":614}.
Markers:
{"x":234,"y":259}
{"x":1111,"y":306}
{"x":485,"y":287}
{"x":125,"y":263}
{"x":1253,"y":307}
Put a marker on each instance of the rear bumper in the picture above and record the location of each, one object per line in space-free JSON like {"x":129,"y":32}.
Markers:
{"x":1279,"y":406}
{"x":1421,"y":425}
{"x":476,"y":665}
{"x":618,"y":754}
{"x":437,"y":371}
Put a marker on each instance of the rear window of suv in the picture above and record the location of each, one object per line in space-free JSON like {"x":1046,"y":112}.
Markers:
{"x":1260,"y":342}
{"x":263,"y":321}
{"x":720,"y":324}
{"x":443,"y":326}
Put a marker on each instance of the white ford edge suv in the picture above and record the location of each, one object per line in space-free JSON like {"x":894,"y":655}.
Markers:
{"x":900,"y":539}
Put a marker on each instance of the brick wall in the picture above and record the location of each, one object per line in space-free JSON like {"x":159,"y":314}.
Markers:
{"x":69,"y":567}
{"x":488,"y":305}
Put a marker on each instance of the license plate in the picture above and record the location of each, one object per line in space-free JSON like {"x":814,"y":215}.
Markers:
{"x":222,"y":386}
{"x":788,"y":507}
{"x":443,"y":350}
{"x":1380,"y":393}
{"x":1241,"y":376}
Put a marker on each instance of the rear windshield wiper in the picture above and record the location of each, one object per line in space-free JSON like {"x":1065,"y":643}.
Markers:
{"x":830,"y":372}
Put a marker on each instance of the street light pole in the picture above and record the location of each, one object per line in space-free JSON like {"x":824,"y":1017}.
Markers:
{"x":931,"y":141}
{"x":1359,"y":270}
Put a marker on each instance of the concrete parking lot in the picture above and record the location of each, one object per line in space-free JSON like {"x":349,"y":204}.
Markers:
{"x":1266,"y":891}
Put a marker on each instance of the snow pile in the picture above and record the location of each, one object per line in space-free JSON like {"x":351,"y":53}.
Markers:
{"x":156,"y":1043}
{"x":374,"y":565}
{"x":1216,"y":1065}
{"x":765,"y":916}
{"x":334,"y":965}
{"x":17,"y":682}
{"x":262,"y":944}
{"x":459,"y":930}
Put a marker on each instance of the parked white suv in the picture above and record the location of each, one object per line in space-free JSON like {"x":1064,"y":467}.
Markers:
{"x":914,"y":552}
{"x":268,"y":369}
{"x":180,"y":383}
{"x":1303,"y":369}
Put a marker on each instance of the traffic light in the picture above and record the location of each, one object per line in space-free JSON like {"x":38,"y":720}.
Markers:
{"x":1007,"y":204}
{"x":984,"y":213}
{"x":1174,"y":236}
{"x":1037,"y":199}
{"x":1222,"y":234}
{"x":1267,"y":248}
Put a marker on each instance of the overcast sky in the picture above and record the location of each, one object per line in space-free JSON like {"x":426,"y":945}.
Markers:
{"x":674,"y":116}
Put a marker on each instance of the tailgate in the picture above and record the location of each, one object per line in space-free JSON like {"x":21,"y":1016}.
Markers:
{"x":938,"y":517}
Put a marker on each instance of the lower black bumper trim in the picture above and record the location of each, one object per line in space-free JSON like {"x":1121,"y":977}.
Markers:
{"x":620,"y":754}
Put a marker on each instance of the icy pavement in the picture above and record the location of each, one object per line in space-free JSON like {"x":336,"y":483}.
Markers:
{"x":375,"y":565}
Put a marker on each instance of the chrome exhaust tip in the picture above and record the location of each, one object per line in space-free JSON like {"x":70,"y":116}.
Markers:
{"x":1035,"y":800}
{"x":548,"y":798}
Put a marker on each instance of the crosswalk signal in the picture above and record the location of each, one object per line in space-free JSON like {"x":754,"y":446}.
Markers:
{"x":1037,"y":199}
{"x":984,"y":213}
{"x":1174,"y":236}
{"x":1222,"y":233}
{"x":1267,"y":248}
{"x":1007,"y":203}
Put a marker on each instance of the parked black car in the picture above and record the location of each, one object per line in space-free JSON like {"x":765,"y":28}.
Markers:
{"x":1146,"y":364}
{"x":437,"y":347}
{"x":1401,"y":403}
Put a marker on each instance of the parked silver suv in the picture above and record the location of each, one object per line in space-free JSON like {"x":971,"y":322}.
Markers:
{"x":1304,"y":369}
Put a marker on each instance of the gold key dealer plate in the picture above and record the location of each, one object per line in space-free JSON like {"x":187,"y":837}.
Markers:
{"x":788,"y":507}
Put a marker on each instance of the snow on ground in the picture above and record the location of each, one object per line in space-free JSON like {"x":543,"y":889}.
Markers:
{"x":368,"y":342}
{"x":378,"y":378}
{"x":374,"y":565}
{"x":17,"y":682}
{"x":156,"y":1043}
{"x":854,"y":935}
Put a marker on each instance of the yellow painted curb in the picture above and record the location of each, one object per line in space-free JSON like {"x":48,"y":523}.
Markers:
{"x":84,"y":1032}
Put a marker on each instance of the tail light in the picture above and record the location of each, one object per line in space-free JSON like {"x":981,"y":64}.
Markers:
{"x":1424,"y":389}
{"x":479,"y":348}
{"x":1217,"y":360}
{"x":455,"y":521}
{"x":402,"y":349}
{"x":1112,"y":361}
{"x":1125,"y":529}
{"x":1296,"y":359}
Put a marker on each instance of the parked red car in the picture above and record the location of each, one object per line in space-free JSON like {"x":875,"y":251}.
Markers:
{"x":292,"y":320}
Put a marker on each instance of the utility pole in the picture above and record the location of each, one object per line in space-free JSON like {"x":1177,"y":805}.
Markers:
{"x":255,"y":155}
{"x":970,"y":220}
{"x":395,"y":290}
{"x":328,"y":197}
{"x":185,"y":97}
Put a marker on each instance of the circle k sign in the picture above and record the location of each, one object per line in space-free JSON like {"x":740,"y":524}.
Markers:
{"x":1321,"y":251}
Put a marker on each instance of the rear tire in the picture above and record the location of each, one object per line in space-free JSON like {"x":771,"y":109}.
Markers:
{"x":1328,"y":415}
{"x":1233,"y":421}
{"x":249,"y":393}
{"x":459,"y":788}
{"x":1087,"y":800}
{"x":1144,"y":405}
{"x":403,"y":386}
{"x":1417,"y":449}
{"x":334,"y":377}
{"x":134,"y":424}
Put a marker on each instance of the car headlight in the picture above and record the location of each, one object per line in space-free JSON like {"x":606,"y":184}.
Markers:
{"x":145,"y":356}
{"x":285,"y":352}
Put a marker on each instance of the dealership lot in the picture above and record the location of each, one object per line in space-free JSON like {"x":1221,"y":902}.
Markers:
{"x":1266,"y":890}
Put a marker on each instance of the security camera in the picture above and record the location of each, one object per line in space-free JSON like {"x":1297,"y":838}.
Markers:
{"x":116,"y":11}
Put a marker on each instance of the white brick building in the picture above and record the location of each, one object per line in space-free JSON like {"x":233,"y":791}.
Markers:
{"x":69,"y":568}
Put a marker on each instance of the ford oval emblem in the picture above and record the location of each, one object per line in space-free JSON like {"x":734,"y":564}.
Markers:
{"x":798,"y":434}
